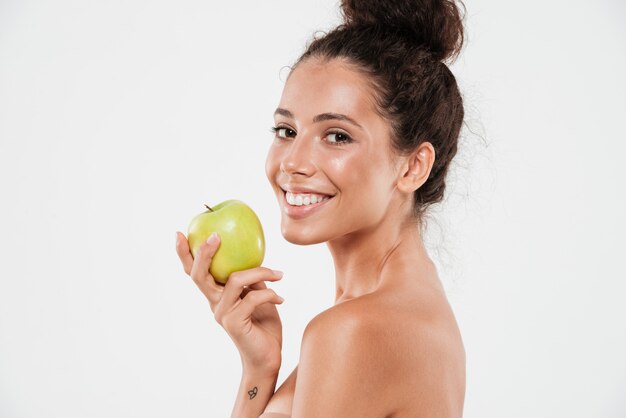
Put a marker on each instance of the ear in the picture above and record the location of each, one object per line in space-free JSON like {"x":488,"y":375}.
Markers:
{"x":416,"y":168}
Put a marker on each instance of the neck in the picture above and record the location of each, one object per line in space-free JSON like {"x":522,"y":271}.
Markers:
{"x":367,"y":260}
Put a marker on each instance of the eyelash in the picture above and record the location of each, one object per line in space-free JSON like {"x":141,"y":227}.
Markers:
{"x":348,"y":139}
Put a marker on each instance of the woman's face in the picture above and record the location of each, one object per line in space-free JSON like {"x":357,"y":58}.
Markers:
{"x":330,"y":145}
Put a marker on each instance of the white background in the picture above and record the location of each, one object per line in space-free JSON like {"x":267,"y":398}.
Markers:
{"x":120,"y":119}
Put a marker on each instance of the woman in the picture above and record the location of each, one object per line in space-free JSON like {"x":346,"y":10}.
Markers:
{"x":367,"y":125}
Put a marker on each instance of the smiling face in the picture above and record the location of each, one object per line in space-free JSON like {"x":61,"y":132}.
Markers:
{"x":330,"y":145}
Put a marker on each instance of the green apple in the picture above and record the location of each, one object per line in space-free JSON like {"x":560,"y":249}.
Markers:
{"x":242,"y":244}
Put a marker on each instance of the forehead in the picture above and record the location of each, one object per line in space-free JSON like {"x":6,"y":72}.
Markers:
{"x":316,"y":86}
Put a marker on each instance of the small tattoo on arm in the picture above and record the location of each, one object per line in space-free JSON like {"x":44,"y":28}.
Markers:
{"x":252,"y":392}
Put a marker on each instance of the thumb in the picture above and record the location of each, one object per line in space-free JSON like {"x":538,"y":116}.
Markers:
{"x":200,"y":271}
{"x":209,"y":248}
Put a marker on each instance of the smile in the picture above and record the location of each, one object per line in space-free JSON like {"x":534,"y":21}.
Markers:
{"x":300,"y":199}
{"x":300,"y":205}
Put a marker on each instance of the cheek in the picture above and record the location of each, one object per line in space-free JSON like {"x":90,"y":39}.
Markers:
{"x":343,"y":169}
{"x":352,"y":172}
{"x":365,"y":182}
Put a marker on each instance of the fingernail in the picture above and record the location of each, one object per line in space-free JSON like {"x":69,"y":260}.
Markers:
{"x":212,"y":238}
{"x":278,"y":273}
{"x":281,"y":299}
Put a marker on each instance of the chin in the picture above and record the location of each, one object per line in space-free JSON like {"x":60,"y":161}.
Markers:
{"x":301,"y":236}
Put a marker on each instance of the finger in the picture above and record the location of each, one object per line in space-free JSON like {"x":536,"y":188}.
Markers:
{"x":258,"y":285}
{"x":238,"y":280}
{"x":253,"y":300}
{"x":182,"y":249}
{"x":253,"y":286}
{"x":200,"y":270}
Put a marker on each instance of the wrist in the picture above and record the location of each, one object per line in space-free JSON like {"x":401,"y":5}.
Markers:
{"x":255,"y":391}
{"x":267,"y":368}
{"x":259,"y":372}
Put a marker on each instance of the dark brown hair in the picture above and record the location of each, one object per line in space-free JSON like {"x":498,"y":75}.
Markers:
{"x":402,"y":46}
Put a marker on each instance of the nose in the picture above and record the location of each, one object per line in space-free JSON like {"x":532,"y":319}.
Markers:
{"x":299,"y":157}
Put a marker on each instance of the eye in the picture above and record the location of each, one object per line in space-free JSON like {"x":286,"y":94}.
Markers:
{"x":282,"y":132}
{"x":338,"y":138}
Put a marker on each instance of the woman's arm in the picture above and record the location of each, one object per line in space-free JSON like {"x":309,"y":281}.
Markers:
{"x":255,"y":391}
{"x":245,"y":308}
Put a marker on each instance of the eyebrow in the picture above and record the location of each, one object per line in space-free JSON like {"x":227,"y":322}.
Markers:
{"x":319,"y":118}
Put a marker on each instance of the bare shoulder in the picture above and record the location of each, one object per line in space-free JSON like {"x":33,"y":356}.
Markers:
{"x":342,"y":369}
{"x":387,"y":324}
{"x":395,"y":353}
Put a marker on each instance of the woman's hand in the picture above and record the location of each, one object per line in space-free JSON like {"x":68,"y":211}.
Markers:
{"x":244,"y":306}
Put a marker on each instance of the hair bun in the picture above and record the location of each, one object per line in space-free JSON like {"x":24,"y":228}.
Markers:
{"x":434,"y":24}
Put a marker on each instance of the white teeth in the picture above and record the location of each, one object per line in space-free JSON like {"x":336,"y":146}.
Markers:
{"x":304,"y":199}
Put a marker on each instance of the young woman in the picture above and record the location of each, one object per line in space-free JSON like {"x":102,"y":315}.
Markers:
{"x":366,"y":127}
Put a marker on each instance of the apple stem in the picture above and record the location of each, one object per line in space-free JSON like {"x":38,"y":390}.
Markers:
{"x":208,"y":207}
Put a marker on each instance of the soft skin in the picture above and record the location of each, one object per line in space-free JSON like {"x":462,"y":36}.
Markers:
{"x":389,"y":301}
{"x":390,"y":343}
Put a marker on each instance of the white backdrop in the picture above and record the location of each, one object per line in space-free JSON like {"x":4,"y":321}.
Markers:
{"x":120,"y":119}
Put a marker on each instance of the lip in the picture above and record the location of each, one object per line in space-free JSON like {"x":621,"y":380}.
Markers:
{"x":300,"y":189}
{"x":299,"y":212}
